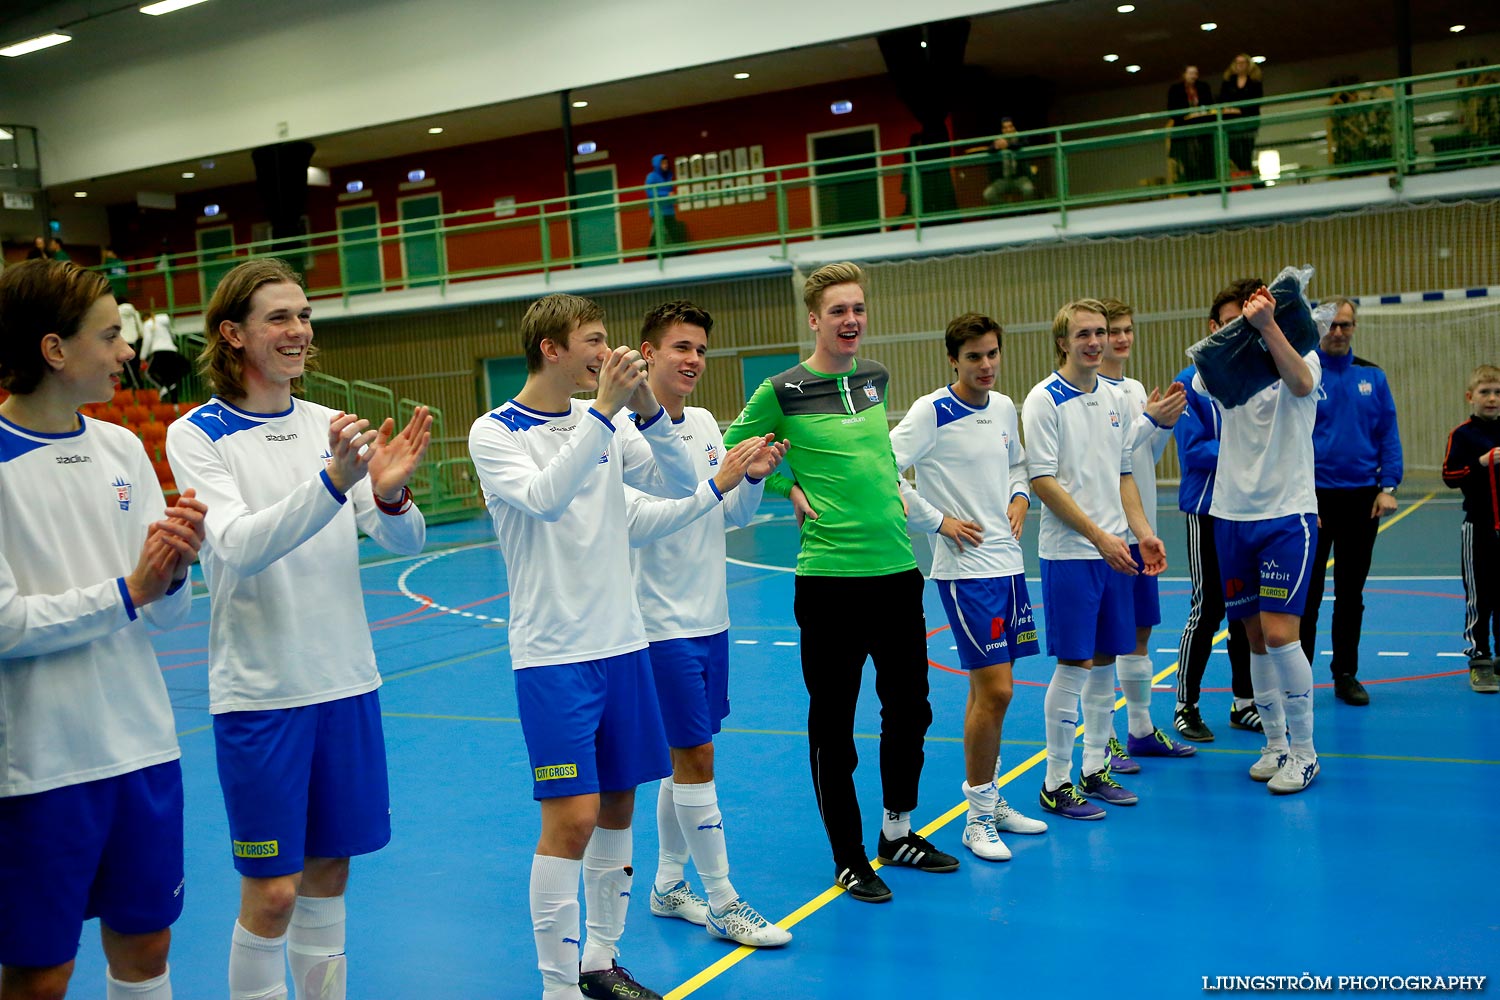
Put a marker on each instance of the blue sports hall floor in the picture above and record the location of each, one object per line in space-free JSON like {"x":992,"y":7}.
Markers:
{"x":1385,"y":866}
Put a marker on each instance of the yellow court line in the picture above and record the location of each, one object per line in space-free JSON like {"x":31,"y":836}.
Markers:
{"x":806,"y":910}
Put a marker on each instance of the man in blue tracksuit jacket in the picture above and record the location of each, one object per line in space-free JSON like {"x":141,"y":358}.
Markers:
{"x":1357,"y":455}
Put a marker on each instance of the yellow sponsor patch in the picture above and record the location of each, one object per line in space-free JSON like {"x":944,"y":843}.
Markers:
{"x":1027,"y":636}
{"x":551,"y":772}
{"x":257,"y":848}
{"x":1280,"y":593}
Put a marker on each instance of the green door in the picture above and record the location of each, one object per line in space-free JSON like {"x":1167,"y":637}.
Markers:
{"x":756,"y":368}
{"x":421,"y":241}
{"x":359,"y":261}
{"x":214,"y":257}
{"x":853,"y":193}
{"x":596,"y":234}
{"x":503,"y":378}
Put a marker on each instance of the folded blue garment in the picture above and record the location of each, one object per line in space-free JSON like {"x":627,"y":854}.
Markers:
{"x":1233,"y":360}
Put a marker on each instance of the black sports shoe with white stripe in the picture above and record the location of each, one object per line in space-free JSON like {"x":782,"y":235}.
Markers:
{"x":913,"y":851}
{"x":860,"y":882}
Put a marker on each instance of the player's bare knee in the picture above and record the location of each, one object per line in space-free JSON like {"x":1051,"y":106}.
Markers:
{"x":267,"y":903}
{"x":50,"y":983}
{"x":134,"y":958}
{"x":324,"y":877}
{"x":693,"y":765}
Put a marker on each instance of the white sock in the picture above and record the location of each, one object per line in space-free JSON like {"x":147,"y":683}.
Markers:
{"x":1180,"y":706}
{"x":257,"y":966}
{"x":1098,"y":715}
{"x":673,"y":854}
{"x":1061,"y":709}
{"x":702,"y":824}
{"x":315,"y":949}
{"x":1135,"y":681}
{"x":1266,"y":681}
{"x":1242,"y":703}
{"x":997,"y":770}
{"x":606,"y":895}
{"x":1296,"y":678}
{"x":982,"y":800}
{"x":159,"y":988}
{"x":554,"y":920}
{"x":895,"y":825}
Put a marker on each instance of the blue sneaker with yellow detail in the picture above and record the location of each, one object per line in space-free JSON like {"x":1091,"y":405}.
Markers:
{"x":1158,"y":744}
{"x":1066,"y":801}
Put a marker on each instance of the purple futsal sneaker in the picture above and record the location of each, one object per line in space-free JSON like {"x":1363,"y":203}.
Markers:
{"x":1119,"y":759}
{"x":1158,"y":744}
{"x":1102,"y":785}
{"x":1066,"y":801}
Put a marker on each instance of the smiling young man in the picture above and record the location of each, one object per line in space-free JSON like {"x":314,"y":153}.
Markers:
{"x":90,"y":784}
{"x":972,"y":490}
{"x":296,"y":713}
{"x":554,"y":471}
{"x":1152,"y":416}
{"x":680,"y":583}
{"x":855,"y":554}
{"x":1080,"y":462}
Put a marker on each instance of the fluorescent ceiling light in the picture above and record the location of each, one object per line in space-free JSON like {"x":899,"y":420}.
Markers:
{"x":34,"y":44}
{"x":1112,"y":57}
{"x":1457,"y":28}
{"x":1132,"y":68}
{"x":1209,"y":25}
{"x":742,"y":76}
{"x":167,"y":6}
{"x":1257,"y":59}
{"x":80,"y":194}
{"x":4,"y":135}
{"x":580,"y":104}
{"x":188,"y":175}
{"x":435,"y":130}
{"x":1125,"y":8}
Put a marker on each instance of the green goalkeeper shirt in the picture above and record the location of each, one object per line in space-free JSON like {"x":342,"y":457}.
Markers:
{"x":841,"y":457}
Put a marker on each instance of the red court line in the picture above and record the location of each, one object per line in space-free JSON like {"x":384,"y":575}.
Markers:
{"x":964,"y":673}
{"x":427,"y":602}
{"x":436,"y":614}
{"x":1414,"y":593}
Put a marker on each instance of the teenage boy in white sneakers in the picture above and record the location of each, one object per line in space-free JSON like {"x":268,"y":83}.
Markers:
{"x":1079,"y":459}
{"x":680,"y":583}
{"x":965,"y":442}
{"x":1152,"y":417}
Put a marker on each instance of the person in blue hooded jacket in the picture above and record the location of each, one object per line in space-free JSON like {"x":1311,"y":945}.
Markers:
{"x":665,"y":227}
{"x":1357,"y":460}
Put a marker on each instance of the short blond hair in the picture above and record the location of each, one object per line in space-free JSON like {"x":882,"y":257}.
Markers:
{"x":1114,"y":309}
{"x":1065,"y":316}
{"x":825,"y":277}
{"x":554,"y":318}
{"x":1482,"y":375}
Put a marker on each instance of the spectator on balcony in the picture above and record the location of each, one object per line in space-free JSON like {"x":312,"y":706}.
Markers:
{"x":158,"y":351}
{"x":1242,"y":88}
{"x":666,"y":229}
{"x":1194,"y":153}
{"x":118,"y":274}
{"x":1011,"y":176}
{"x":55,"y":250}
{"x":38,"y":250}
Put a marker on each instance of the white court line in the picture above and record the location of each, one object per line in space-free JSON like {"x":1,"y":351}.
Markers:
{"x":1389,"y":652}
{"x":1462,"y":656}
{"x":783,"y":644}
{"x":747,"y":642}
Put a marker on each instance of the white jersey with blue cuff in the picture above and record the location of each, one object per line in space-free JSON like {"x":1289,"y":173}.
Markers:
{"x":1146,"y":437}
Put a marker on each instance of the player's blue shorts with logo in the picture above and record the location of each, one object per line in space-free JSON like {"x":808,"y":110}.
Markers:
{"x":593,"y":726}
{"x":990,"y":619}
{"x":692,"y":685}
{"x":1265,"y":565}
{"x":304,"y":782}
{"x":1090,"y":609}
{"x":110,"y":848}
{"x":1147,"y":593}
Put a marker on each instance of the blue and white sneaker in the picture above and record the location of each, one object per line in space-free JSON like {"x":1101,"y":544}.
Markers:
{"x":1119,"y":758}
{"x":1297,"y":772}
{"x":1066,"y":801}
{"x":1158,"y":744}
{"x":741,"y":924}
{"x":981,"y":838}
{"x":1271,"y":759}
{"x":681,"y":902}
{"x":1008,"y":820}
{"x":1102,"y":785}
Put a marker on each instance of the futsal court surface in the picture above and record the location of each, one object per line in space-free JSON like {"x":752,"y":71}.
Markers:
{"x":1385,"y":866}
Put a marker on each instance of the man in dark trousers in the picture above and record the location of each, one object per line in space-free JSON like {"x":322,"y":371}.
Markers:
{"x":1357,"y":455}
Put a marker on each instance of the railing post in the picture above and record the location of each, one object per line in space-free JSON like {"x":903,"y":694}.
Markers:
{"x":915,"y":187}
{"x":783,"y":219}
{"x":1403,"y":133}
{"x":1221,"y":157}
{"x":546,"y":234}
{"x":1060,"y":169}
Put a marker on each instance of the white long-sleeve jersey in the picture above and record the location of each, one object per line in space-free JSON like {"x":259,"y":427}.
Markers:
{"x":81,"y":694}
{"x":970,"y":464}
{"x":1079,"y":439}
{"x":1146,"y":436}
{"x":554,"y":485}
{"x":679,"y":578}
{"x":287,"y":623}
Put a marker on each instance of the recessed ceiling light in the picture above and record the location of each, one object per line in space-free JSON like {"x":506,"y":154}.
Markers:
{"x":1132,"y":68}
{"x":580,"y":104}
{"x":1112,"y":57}
{"x":188,"y":175}
{"x":34,"y":44}
{"x":80,"y":194}
{"x":742,"y":76}
{"x":924,"y":43}
{"x":1456,"y":28}
{"x":1209,"y":25}
{"x":1125,"y":8}
{"x":1257,"y":59}
{"x":167,"y":6}
{"x":435,"y":130}
{"x":5,"y":135}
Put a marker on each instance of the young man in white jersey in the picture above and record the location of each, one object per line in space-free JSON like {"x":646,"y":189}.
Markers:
{"x":680,"y":584}
{"x":1079,"y":458}
{"x":554,"y":472}
{"x":1152,"y":417}
{"x":1265,"y":510}
{"x":90,"y":785}
{"x":965,"y":442}
{"x":296,"y":716}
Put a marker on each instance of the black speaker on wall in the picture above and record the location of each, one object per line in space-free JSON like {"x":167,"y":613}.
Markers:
{"x":281,"y":179}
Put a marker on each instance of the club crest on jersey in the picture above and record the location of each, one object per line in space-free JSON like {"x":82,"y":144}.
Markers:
{"x":713,"y":453}
{"x":603,"y":459}
{"x":1114,"y":419}
{"x":1365,"y":388}
{"x":122,"y":492}
{"x":870,"y":391}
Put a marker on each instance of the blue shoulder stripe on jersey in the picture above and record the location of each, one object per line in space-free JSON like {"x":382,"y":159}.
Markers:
{"x":218,"y":421}
{"x":949,"y":410}
{"x":518,"y":420}
{"x":14,"y":445}
{"x":1062,"y":391}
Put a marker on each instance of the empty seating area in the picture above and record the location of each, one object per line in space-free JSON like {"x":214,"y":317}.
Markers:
{"x":143,"y":412}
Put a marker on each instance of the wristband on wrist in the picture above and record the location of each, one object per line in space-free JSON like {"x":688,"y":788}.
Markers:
{"x":401,"y":506}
